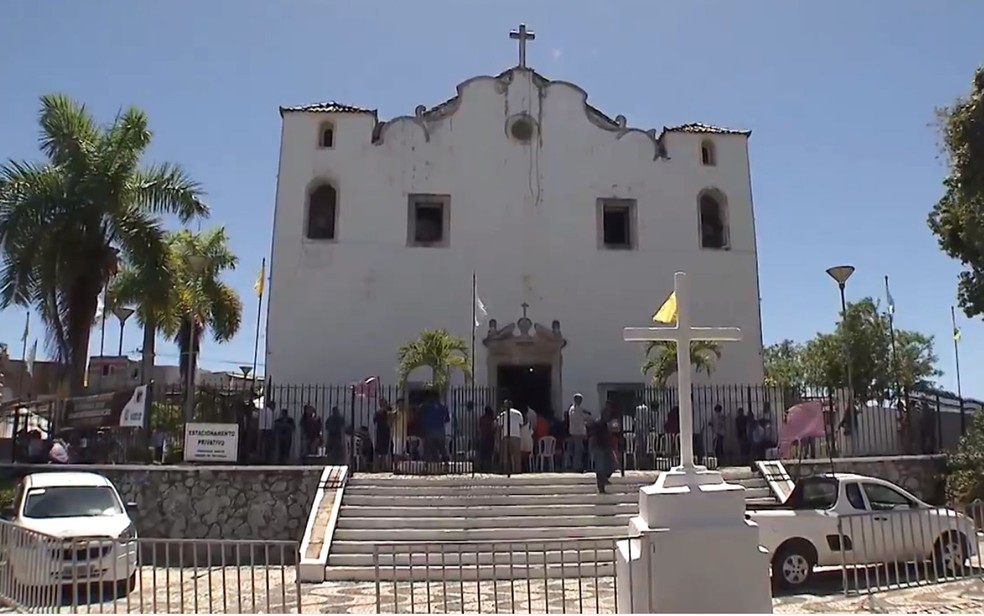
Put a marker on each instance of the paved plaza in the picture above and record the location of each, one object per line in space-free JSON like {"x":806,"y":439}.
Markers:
{"x":236,"y":591}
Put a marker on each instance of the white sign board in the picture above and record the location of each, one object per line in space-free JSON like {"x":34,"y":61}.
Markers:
{"x":211,"y":442}
{"x":132,"y":415}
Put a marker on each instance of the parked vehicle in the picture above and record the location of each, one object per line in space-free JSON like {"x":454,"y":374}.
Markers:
{"x":69,"y":528}
{"x":873,"y":520}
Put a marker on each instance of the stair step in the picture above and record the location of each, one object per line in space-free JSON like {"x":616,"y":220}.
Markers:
{"x":485,"y":573}
{"x":466,"y":490}
{"x":486,"y":510}
{"x":530,"y":542}
{"x":384,"y":535}
{"x":468,"y":498}
{"x":347,"y":522}
{"x":450,"y":557}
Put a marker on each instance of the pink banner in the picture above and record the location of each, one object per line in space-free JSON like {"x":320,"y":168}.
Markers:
{"x":803,"y":421}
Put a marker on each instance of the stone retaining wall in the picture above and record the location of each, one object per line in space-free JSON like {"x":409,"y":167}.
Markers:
{"x":924,"y":476}
{"x":210,"y":502}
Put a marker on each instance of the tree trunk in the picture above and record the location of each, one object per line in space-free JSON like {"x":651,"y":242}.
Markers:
{"x":149,"y":344}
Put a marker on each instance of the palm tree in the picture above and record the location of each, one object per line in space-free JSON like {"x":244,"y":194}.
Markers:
{"x":179,"y":299}
{"x":661,"y":358}
{"x":438,"y":350}
{"x":65,"y":221}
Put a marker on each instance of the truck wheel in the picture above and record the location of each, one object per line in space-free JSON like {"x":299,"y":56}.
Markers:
{"x":950,"y":553}
{"x":792,"y":567}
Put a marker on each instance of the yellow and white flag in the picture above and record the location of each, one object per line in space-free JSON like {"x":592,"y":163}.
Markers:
{"x":260,"y":280}
{"x":667,"y":313}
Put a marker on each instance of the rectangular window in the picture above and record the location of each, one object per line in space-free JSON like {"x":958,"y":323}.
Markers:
{"x":428,"y":220}
{"x":617,"y":224}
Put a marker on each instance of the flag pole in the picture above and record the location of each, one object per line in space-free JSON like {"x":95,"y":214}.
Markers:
{"x":956,"y":359}
{"x":891,"y":333}
{"x":20,"y":381}
{"x":474,"y":304}
{"x":259,"y":312}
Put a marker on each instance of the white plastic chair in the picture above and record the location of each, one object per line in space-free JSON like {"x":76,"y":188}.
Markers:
{"x":630,"y":447}
{"x":546,"y":447}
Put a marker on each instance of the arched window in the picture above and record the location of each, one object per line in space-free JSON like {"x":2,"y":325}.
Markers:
{"x":707,"y":154}
{"x":322,"y":213}
{"x":326,"y":135}
{"x":713,"y":222}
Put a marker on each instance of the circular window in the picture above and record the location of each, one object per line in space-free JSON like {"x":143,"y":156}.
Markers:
{"x":521,"y":128}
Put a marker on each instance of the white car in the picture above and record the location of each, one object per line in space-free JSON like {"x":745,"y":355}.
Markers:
{"x":69,"y":528}
{"x":873,"y":520}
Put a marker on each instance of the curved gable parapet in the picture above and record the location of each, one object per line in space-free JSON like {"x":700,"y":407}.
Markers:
{"x":380,"y":130}
{"x":423,"y":116}
{"x":617,"y":125}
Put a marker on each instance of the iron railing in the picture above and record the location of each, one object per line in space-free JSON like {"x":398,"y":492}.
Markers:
{"x":404,"y":441}
{"x":45,"y":573}
{"x":511,"y":577}
{"x":900,"y":547}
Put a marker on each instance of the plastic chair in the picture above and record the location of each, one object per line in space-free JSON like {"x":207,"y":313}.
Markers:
{"x":630,"y":448}
{"x":546,"y":447}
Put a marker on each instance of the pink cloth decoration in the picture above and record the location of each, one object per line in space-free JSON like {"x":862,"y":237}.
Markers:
{"x":366,"y":387}
{"x":803,"y":421}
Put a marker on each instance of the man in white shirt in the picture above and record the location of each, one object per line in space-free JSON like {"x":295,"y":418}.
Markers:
{"x":577,"y":430}
{"x":510,"y":423}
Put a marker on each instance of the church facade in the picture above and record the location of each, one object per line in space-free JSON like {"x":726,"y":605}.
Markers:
{"x":572,"y":223}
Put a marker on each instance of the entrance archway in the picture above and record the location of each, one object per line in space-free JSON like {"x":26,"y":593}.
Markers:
{"x":526,"y":358}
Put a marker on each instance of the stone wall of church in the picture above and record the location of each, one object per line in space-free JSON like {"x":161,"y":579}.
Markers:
{"x":924,"y":476}
{"x":211,"y":502}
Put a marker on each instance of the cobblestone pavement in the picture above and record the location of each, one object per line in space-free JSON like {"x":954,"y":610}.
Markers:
{"x":273,"y":590}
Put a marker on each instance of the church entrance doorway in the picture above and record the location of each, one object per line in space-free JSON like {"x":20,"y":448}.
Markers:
{"x":527,"y":386}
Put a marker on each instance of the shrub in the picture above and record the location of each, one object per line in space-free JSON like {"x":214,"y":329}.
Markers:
{"x":965,"y":465}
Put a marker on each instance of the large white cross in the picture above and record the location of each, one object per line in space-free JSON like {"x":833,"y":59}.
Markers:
{"x":683,"y":334}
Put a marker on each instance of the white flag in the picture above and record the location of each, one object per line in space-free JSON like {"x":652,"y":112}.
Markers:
{"x":29,"y":361}
{"x":480,"y":311}
{"x":100,"y":306}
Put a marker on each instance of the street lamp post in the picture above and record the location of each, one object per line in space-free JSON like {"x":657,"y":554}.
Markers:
{"x":196,"y":265}
{"x":122,"y":313}
{"x":840,"y":274}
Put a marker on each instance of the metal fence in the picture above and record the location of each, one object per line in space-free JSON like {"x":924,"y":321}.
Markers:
{"x":383,"y":428}
{"x":511,"y":577}
{"x":44,"y":573}
{"x":896,"y":546}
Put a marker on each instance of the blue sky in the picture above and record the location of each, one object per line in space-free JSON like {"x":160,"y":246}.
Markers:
{"x":840,"y":96}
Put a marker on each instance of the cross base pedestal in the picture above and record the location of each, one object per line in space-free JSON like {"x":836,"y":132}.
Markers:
{"x":696,"y":552}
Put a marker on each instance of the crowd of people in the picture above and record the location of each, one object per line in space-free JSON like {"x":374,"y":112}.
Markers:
{"x":504,"y":439}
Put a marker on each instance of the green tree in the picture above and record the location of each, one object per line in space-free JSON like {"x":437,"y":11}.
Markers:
{"x":178,"y":299}
{"x":661,"y":358}
{"x":783,"y":364}
{"x":957,"y":219}
{"x":438,"y":350}
{"x":65,"y":221}
{"x":863,"y":335}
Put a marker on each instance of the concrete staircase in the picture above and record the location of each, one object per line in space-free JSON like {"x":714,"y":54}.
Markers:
{"x":464,"y":528}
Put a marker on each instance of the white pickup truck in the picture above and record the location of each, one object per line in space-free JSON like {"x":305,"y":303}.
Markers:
{"x":837,"y":520}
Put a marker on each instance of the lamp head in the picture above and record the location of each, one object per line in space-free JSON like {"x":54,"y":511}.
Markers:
{"x":123,"y":313}
{"x":840,"y":273}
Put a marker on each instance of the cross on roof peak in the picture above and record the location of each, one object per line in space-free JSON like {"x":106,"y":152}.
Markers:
{"x":522,"y":35}
{"x":525,"y":307}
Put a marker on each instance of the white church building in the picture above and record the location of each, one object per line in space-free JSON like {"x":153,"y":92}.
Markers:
{"x":572,"y":221}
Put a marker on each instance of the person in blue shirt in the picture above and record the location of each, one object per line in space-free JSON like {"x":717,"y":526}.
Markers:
{"x":434,"y":415}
